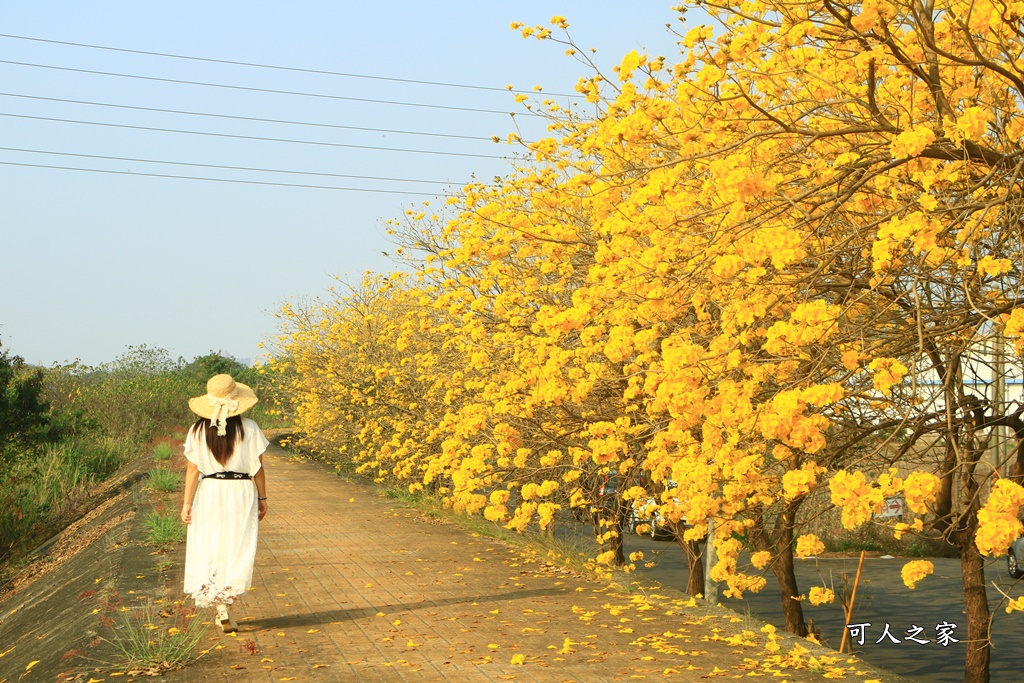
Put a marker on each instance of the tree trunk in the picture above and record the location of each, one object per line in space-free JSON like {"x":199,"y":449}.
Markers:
{"x":615,"y":542}
{"x":972,"y":569}
{"x":694,"y":561}
{"x":612,"y":523}
{"x":782,"y":567}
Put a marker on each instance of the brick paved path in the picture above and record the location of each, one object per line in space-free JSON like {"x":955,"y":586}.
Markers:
{"x":350,"y":586}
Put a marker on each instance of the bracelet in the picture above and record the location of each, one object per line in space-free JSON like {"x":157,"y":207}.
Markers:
{"x":263,"y":498}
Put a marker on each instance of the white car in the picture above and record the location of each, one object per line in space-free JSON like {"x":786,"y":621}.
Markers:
{"x":1015,"y":558}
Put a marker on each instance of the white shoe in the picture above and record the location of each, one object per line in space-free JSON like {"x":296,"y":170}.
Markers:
{"x":227,"y":624}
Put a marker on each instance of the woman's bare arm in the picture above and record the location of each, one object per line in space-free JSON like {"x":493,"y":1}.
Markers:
{"x":191,"y":482}
{"x":260,"y":480}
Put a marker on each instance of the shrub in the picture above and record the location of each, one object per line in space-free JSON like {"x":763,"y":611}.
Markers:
{"x":24,"y":419}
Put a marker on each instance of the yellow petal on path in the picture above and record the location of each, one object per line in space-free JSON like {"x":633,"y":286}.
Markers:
{"x":31,"y":664}
{"x":320,"y":666}
{"x":313,"y":630}
{"x":518,"y":660}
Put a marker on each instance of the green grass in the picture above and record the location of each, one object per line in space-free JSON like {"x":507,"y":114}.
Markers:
{"x":147,"y":644}
{"x":41,"y":489}
{"x":163,"y":451}
{"x":845,"y":545}
{"x":163,"y":480}
{"x":575,"y":553}
{"x":164,"y":529}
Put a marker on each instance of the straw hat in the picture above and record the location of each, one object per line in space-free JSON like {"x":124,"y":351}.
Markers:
{"x":224,"y":398}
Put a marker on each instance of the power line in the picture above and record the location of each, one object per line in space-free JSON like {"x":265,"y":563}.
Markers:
{"x":283,"y":68}
{"x":246,"y":118}
{"x":221,"y":180}
{"x":231,"y":168}
{"x":256,"y":137}
{"x":265,"y":90}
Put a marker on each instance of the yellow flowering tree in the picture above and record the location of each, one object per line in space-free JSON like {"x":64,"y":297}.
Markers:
{"x":766,"y":268}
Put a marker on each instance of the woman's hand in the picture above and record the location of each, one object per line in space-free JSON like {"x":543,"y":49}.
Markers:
{"x":263,"y":509}
{"x":186,"y":513}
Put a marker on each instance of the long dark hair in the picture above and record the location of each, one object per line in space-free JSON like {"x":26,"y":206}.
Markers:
{"x":221,"y":446}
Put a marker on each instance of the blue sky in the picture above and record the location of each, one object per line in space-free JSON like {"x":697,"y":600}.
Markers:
{"x":91,"y":263}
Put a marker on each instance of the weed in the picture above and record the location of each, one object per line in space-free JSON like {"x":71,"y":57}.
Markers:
{"x":146,"y":644}
{"x":163,"y":451}
{"x":163,"y":480}
{"x":854,"y":544}
{"x":163,"y":565}
{"x":165,"y":529}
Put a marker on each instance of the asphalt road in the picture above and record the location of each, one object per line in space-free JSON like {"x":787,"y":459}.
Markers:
{"x":882,"y":599}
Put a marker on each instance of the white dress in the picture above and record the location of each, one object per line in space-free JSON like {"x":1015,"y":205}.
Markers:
{"x":221,"y":545}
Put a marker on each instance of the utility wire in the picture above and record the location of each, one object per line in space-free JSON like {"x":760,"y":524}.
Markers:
{"x":283,"y":68}
{"x":256,"y":137}
{"x":265,"y":90}
{"x":232,"y":168}
{"x":246,"y":118}
{"x":222,"y":180}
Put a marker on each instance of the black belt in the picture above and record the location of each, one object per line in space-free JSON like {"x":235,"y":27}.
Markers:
{"x":227,"y":475}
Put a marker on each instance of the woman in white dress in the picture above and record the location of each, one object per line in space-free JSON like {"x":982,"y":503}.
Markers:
{"x":225,"y":496}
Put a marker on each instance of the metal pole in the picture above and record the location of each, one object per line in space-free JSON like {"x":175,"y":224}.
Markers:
{"x":849,"y":609}
{"x":999,"y":401}
{"x":710,"y":560}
